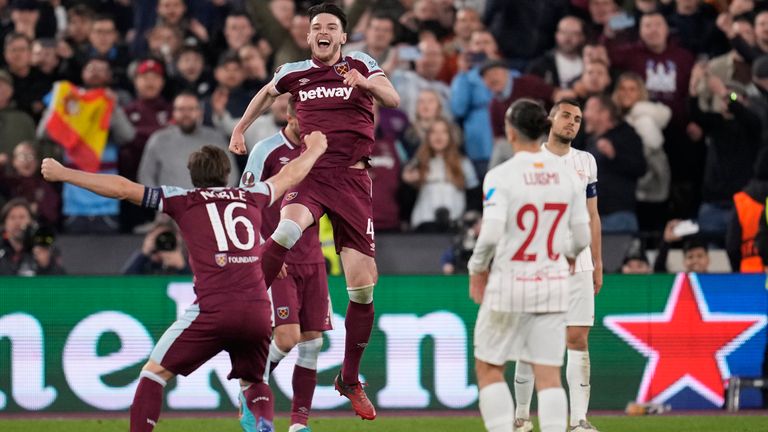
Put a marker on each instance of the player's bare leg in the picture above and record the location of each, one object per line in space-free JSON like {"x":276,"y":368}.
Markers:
{"x":553,"y":404}
{"x":496,"y":404}
{"x":361,"y":275}
{"x":294,"y":219}
{"x":148,"y":399}
{"x":577,"y":373}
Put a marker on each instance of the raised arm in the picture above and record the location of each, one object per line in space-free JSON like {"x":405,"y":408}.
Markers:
{"x":107,"y":185}
{"x":379,"y":86}
{"x":258,"y":105}
{"x":297,"y":169}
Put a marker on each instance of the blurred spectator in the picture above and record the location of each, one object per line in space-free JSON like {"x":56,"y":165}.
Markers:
{"x":164,"y":43}
{"x":666,"y":68}
{"x":238,"y":31}
{"x":385,"y":170}
{"x":165,"y":157}
{"x":429,"y":107}
{"x":26,"y":182}
{"x":29,"y":84}
{"x":595,"y":80}
{"x":86,"y":212}
{"x":758,"y":102}
{"x":523,"y":28}
{"x":648,"y":119}
{"x":467,"y":21}
{"x":103,"y":42}
{"x":456,"y":257}
{"x":410,"y":83}
{"x":254,"y":67}
{"x":191,"y":74}
{"x":174,"y":14}
{"x":636,"y":260}
{"x":265,"y":126}
{"x":425,"y":16}
{"x":284,"y":29}
{"x":693,"y":23}
{"x":506,"y":87}
{"x":733,"y":138}
{"x":229,"y":95}
{"x":618,"y":152}
{"x":563,"y":64}
{"x":24,"y":15}
{"x":79,"y":22}
{"x":442,"y":177}
{"x":377,"y":43}
{"x":26,"y":250}
{"x":749,"y":50}
{"x":148,"y":113}
{"x":44,"y":58}
{"x":695,"y":255}
{"x":600,"y":13}
{"x":15,"y":125}
{"x":160,"y":254}
{"x":749,"y":205}
{"x":730,"y":67}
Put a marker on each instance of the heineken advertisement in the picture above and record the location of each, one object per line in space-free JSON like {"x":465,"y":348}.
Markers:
{"x":76,"y":344}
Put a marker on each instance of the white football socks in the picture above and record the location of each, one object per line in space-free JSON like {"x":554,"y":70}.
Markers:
{"x":553,"y":409}
{"x":496,"y":407}
{"x":577,"y":373}
{"x":524,"y":384}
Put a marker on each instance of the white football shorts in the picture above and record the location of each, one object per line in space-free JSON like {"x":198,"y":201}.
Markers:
{"x":510,"y":336}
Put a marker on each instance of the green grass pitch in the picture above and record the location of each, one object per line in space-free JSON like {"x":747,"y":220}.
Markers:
{"x":709,"y":423}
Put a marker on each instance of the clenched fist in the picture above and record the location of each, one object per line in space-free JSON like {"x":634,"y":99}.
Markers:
{"x":52,"y":170}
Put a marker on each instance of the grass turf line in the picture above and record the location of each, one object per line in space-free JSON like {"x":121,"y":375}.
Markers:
{"x":392,"y":424}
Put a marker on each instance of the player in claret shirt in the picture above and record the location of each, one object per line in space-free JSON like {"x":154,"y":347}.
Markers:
{"x":232,"y":311}
{"x":333,"y":93}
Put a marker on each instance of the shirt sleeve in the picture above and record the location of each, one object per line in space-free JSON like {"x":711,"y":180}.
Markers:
{"x":579,"y":212}
{"x":167,"y":199}
{"x":495,"y":199}
{"x":263,"y":193}
{"x":365,"y":64}
{"x":592,"y":181}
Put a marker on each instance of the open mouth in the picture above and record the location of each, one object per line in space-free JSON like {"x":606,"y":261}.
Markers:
{"x":323,"y":43}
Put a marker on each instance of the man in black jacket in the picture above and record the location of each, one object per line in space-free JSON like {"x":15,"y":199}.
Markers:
{"x":618,"y":152}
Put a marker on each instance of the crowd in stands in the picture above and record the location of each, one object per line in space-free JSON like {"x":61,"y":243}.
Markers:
{"x":674,"y":93}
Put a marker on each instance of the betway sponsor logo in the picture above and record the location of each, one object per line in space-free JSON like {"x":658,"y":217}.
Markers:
{"x":325,"y":92}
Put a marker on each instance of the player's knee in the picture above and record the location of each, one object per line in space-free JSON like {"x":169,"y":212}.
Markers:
{"x":285,"y":338}
{"x":309,"y":350}
{"x":488,"y":373}
{"x":577,"y":341}
{"x":362,"y":295}
{"x":156,"y":372}
{"x":287,"y":233}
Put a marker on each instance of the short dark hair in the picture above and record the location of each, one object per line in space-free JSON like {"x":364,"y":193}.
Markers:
{"x":240,"y":13}
{"x":607,"y":103}
{"x":209,"y":167}
{"x":81,"y":10}
{"x":694,"y":242}
{"x":14,"y":36}
{"x":228,"y":57}
{"x":12,"y":204}
{"x":528,"y":117}
{"x":564,"y":101}
{"x":329,"y":8}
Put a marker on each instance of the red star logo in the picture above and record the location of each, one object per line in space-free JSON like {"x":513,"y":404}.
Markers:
{"x":686,"y":345}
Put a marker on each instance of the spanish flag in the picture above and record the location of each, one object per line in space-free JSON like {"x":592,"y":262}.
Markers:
{"x":79,"y":121}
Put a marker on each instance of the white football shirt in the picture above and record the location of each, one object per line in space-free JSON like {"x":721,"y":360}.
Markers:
{"x":536,"y":199}
{"x":585,"y":167}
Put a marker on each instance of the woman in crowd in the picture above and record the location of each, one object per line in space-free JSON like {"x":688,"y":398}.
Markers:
{"x":442,"y":176}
